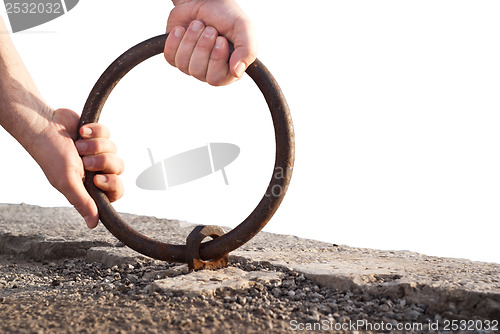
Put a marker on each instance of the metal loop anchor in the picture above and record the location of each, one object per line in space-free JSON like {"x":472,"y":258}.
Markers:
{"x":193,"y":242}
{"x":258,"y":218}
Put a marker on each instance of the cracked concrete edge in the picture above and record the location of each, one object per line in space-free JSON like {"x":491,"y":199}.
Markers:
{"x":39,"y":249}
{"x":439,"y":299}
{"x":228,"y":281}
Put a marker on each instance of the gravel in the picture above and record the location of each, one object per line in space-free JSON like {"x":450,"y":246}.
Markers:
{"x":75,"y":296}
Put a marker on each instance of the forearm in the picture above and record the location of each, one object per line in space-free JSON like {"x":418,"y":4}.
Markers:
{"x":23,"y":112}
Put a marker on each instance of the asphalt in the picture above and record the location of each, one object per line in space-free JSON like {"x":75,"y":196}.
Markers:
{"x":466,"y":287}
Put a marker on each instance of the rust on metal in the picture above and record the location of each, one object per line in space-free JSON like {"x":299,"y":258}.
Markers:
{"x":258,"y":218}
{"x":193,"y":243}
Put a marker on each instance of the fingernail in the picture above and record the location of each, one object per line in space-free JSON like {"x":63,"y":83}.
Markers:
{"x":81,"y":146}
{"x":240,"y":69}
{"x":197,"y":26}
{"x":87,"y":131}
{"x":219,"y":42}
{"x":88,"y":221}
{"x":101,"y":178}
{"x":178,"y":32}
{"x":209,"y":32}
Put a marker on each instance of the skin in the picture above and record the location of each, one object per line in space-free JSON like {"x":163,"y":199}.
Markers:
{"x":49,"y":136}
{"x":198,"y":40}
{"x":197,"y":45}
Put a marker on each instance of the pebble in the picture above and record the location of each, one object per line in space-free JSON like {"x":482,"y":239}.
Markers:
{"x":294,"y":298}
{"x":384,"y":308}
{"x":411,"y":315}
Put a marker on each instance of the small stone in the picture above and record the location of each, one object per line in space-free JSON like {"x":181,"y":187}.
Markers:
{"x":299,"y":295}
{"x":316,"y":296}
{"x":344,"y":319}
{"x":411,"y":315}
{"x":186,"y":323}
{"x":313,"y":317}
{"x":288,"y":283}
{"x":384,"y":308}
{"x":291,"y":293}
{"x":250,"y":267}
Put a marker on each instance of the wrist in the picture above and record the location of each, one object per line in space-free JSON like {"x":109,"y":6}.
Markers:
{"x":22,"y":112}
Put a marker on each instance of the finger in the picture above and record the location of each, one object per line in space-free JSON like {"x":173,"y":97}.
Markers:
{"x":245,"y":48}
{"x":95,"y":146}
{"x":172,"y":44}
{"x":218,"y":69}
{"x":106,"y":163}
{"x":94,"y":130}
{"x":111,"y":184}
{"x":240,"y":60}
{"x":201,"y":54}
{"x":77,"y":195}
{"x":188,"y":43}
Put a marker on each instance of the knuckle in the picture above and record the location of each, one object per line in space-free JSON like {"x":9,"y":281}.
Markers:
{"x":95,"y":146}
{"x":101,"y":161}
{"x":121,"y":167}
{"x":107,"y":161}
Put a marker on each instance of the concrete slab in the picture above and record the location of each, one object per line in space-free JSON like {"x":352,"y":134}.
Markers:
{"x":441,"y":283}
{"x":225,"y":281}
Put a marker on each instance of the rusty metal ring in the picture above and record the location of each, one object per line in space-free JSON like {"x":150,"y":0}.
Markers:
{"x":216,"y":248}
{"x":193,"y":242}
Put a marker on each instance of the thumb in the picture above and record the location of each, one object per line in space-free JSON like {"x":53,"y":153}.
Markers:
{"x":240,"y":59}
{"x":78,"y":196}
{"x":245,"y":49}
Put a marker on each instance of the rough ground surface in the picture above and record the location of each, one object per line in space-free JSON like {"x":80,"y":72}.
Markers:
{"x":70,"y":279}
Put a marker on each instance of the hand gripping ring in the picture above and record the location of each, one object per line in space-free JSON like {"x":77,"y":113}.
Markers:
{"x":222,"y":245}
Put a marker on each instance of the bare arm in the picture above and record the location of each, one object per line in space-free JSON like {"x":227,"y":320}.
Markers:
{"x":23,"y":112}
{"x":49,"y":136}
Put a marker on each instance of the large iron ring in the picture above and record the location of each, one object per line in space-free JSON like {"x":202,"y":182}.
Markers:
{"x":216,"y":248}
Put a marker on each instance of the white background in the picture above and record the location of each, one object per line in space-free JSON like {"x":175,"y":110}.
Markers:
{"x":396,"y":107}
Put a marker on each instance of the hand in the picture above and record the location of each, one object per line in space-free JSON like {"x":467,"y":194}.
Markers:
{"x":58,"y":155}
{"x":194,"y":47}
